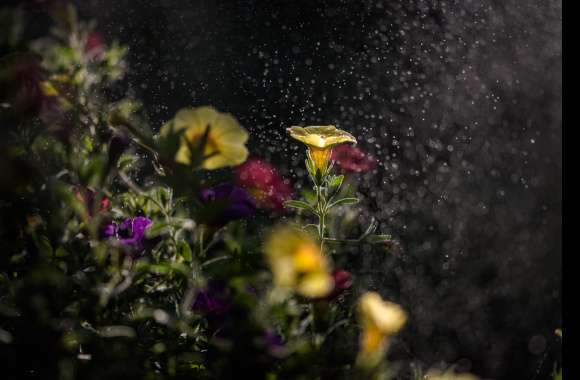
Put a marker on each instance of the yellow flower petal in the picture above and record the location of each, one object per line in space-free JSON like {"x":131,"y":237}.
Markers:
{"x":372,"y":340}
{"x":296,"y":262}
{"x":308,"y":258}
{"x":227,"y":129}
{"x":386,"y":316}
{"x":225,"y":139}
{"x":229,"y":155}
{"x":283,"y":271}
{"x":449,"y":375}
{"x":315,"y":285}
{"x":48,"y":89}
{"x":321,"y":136}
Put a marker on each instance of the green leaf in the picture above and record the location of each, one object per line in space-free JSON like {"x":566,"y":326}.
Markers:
{"x":312,"y":227}
{"x":158,"y":228}
{"x":163,"y":196}
{"x":60,"y":252}
{"x":66,"y":195}
{"x":92,"y":170}
{"x":299,"y":205}
{"x":42,"y":243}
{"x":344,"y":201}
{"x":310,"y":164}
{"x":127,"y":161}
{"x":335,"y":182}
{"x":370,"y":229}
{"x":184,"y":250}
{"x":378,"y":239}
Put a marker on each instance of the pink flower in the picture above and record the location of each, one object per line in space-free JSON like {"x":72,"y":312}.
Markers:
{"x":351,"y":159}
{"x":342,"y":281}
{"x":264,"y":183}
{"x":94,"y":46}
{"x":89,"y":198}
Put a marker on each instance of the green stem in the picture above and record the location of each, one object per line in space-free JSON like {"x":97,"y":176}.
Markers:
{"x":321,"y":215}
{"x":342,"y":241}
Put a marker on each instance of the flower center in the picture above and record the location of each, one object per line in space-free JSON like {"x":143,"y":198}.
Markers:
{"x":211,"y":147}
{"x":320,"y":156}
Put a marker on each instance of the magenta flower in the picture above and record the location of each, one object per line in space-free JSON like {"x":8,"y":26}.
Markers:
{"x":351,"y":159}
{"x":264,"y":183}
{"x":130,"y":235}
{"x":94,"y":46}
{"x":342,"y":282}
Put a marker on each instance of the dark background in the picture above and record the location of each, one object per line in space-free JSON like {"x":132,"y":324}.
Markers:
{"x":460,"y":101}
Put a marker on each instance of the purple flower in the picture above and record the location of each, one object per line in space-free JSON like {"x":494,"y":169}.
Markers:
{"x":214,"y":299}
{"x":273,"y":343}
{"x":130,"y":234}
{"x":272,"y":339}
{"x":225,"y":203}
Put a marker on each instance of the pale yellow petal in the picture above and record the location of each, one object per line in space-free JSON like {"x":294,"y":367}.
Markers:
{"x":321,"y":136}
{"x":283,"y":271}
{"x":227,"y":129}
{"x":315,"y":285}
{"x":166,"y":129}
{"x":198,"y":118}
{"x":384,"y":315}
{"x":229,"y":155}
{"x":183,"y":155}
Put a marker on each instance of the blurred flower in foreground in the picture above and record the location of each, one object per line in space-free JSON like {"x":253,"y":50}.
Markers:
{"x":380,"y":320}
{"x":264,"y":183}
{"x":320,"y":141}
{"x":88,"y":197}
{"x":297,"y":263}
{"x":225,"y":203}
{"x":352,"y":159}
{"x":210,"y":139}
{"x":214,"y":299}
{"x":342,"y":281}
{"x":131,"y":234}
{"x":273,"y":343}
{"x":94,"y":46}
{"x":448,"y":375}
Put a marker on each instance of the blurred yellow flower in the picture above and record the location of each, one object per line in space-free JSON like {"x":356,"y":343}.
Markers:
{"x":320,"y":139}
{"x":380,"y":320}
{"x":48,"y":89}
{"x":449,"y":375}
{"x":297,"y":263}
{"x":225,"y":144}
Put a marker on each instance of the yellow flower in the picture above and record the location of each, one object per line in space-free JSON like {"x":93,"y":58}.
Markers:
{"x":297,"y":263}
{"x":449,"y":375}
{"x":225,"y":144}
{"x":320,"y":140}
{"x":380,"y":320}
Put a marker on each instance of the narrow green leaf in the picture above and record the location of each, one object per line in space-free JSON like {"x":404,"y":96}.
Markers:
{"x":184,"y":250}
{"x":335,"y":182}
{"x":158,"y":228}
{"x":370,"y":229}
{"x":344,"y":201}
{"x":299,"y":205}
{"x":378,"y":239}
{"x":42,"y":243}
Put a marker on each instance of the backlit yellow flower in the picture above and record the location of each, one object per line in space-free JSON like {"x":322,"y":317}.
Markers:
{"x":297,"y":263}
{"x":320,"y":139}
{"x":380,"y":320}
{"x":225,"y":144}
{"x":449,"y":375}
